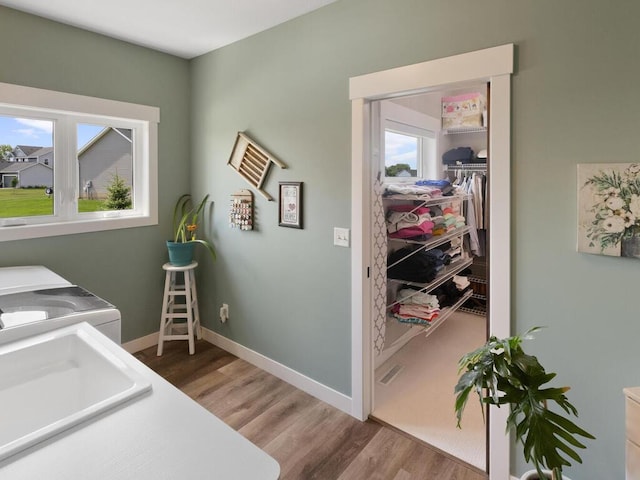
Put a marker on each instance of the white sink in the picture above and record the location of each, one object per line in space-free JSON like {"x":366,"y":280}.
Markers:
{"x":57,"y":380}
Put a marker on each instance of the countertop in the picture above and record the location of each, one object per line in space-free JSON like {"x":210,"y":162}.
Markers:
{"x":162,"y":435}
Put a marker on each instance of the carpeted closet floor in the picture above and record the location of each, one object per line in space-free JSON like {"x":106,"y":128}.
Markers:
{"x":420,"y":400}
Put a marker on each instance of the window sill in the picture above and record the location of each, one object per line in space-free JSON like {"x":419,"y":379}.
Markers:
{"x":22,"y":232}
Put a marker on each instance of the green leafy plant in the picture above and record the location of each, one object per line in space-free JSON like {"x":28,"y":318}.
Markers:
{"x":501,"y":373}
{"x":186,"y":220}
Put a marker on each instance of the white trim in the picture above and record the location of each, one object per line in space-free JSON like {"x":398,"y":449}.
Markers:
{"x":298,"y":380}
{"x":38,"y":98}
{"x":361,"y":377}
{"x":141,"y":343}
{"x":494,"y":65}
{"x":499,"y":253}
{"x":443,"y":71}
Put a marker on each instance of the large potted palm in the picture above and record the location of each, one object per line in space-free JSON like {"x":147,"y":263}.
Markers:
{"x":501,"y":373}
{"x":186,"y":221}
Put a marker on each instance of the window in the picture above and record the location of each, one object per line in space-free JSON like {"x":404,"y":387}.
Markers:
{"x":408,"y":143}
{"x":402,"y":153}
{"x":72,"y":164}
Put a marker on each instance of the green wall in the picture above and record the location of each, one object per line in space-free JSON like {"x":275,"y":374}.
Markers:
{"x":123,"y":266}
{"x":574,"y":100}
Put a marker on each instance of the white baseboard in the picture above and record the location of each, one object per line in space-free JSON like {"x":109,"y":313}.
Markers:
{"x":141,"y":343}
{"x":298,"y":380}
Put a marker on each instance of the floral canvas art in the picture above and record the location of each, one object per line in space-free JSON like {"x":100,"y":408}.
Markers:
{"x":609,"y":209}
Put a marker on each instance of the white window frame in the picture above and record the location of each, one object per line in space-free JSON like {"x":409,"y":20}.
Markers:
{"x":67,"y":110}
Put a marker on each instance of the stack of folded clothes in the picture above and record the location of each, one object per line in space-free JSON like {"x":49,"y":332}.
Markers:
{"x":451,"y":291}
{"x":415,"y":307}
{"x":421,"y":223}
{"x":422,"y":191}
{"x":416,"y":264}
{"x":408,"y":221}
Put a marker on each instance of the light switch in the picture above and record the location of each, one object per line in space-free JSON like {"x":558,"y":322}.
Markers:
{"x":341,"y":237}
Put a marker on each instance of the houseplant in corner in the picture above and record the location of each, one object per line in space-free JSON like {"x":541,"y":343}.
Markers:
{"x":186,"y":217}
{"x":501,"y":373}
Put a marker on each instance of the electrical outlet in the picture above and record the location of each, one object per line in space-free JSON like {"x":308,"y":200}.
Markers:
{"x":224,"y":313}
{"x":341,"y":237}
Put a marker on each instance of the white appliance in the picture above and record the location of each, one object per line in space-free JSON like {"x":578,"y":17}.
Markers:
{"x":33,"y":300}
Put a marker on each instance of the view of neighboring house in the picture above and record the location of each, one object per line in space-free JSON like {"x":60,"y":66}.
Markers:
{"x":25,"y":174}
{"x":26,"y":153}
{"x":109,"y":153}
{"x":27,"y":166}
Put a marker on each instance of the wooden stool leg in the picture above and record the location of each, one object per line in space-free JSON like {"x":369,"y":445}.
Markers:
{"x":165,"y":307}
{"x":196,"y":312}
{"x":189,"y":306}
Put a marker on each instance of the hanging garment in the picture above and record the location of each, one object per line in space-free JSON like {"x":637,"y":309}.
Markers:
{"x":478,"y":198}
{"x":474,"y":244}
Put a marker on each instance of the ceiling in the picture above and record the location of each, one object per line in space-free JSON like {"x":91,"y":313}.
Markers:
{"x":187,"y":28}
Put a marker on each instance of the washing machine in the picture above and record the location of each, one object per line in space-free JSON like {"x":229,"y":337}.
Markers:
{"x":34,"y":300}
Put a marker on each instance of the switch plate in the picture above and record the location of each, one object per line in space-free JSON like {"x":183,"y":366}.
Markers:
{"x":341,"y":236}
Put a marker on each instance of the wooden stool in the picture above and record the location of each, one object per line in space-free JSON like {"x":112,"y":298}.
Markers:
{"x":172,"y":310}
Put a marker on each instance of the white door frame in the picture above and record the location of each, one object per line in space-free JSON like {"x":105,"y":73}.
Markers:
{"x":492,"y":65}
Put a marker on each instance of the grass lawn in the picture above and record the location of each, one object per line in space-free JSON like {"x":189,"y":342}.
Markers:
{"x":30,"y":202}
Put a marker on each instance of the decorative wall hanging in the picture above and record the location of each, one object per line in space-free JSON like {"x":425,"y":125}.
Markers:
{"x":290,"y":211}
{"x":609,"y":209}
{"x":252,"y":162}
{"x":241,"y":211}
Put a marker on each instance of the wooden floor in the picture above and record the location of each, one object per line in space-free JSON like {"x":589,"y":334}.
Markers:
{"x":310,"y":439}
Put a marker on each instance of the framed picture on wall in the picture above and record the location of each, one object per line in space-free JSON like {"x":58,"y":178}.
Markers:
{"x":609,"y":209}
{"x":290,"y":205}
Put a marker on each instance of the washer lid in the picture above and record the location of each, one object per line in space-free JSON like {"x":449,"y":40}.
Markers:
{"x":37,"y":305}
{"x":25,"y":278}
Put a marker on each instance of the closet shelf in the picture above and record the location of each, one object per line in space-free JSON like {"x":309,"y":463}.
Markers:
{"x":434,"y":241}
{"x":475,"y":279}
{"x":427,"y":201}
{"x":448,"y":272}
{"x":446,"y":312}
{"x":459,"y":130}
{"x":470,"y":167}
{"x":415,"y":329}
{"x":474,"y":311}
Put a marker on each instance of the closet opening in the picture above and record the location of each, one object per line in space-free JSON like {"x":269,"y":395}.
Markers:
{"x":429,"y":163}
{"x":369,"y":95}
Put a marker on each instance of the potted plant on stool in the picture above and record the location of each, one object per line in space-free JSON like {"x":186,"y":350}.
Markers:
{"x":186,"y":217}
{"x":501,"y":373}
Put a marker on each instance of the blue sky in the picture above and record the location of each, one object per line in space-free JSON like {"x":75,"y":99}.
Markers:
{"x":399,"y":148}
{"x":35,"y":132}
